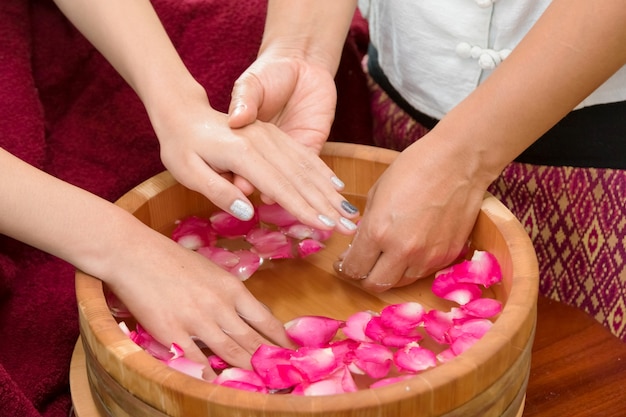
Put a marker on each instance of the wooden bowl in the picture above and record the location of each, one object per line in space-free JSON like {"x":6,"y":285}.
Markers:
{"x":489,"y":379}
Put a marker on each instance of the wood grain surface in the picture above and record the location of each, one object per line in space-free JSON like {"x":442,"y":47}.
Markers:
{"x":578,"y":368}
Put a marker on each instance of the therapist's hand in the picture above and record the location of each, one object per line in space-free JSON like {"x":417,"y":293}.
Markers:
{"x":417,"y":219}
{"x":297,"y":96}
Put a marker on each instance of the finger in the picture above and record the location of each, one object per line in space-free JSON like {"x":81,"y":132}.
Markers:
{"x":267,"y":200}
{"x":195,"y":354}
{"x":360,"y":257}
{"x":246,"y":98}
{"x":307,"y":177}
{"x":292,"y":185}
{"x":263,"y":321}
{"x":243,"y":184}
{"x":219,"y":190}
{"x":224,"y":341}
{"x":386,"y":273}
{"x":411,"y":275}
{"x":236,"y":340}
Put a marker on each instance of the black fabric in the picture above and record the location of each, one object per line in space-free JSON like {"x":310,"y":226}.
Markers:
{"x":593,"y":136}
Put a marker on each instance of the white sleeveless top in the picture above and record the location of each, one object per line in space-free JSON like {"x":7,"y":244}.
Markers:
{"x":435,"y":52}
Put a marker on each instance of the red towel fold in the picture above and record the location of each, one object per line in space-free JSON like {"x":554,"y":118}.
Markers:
{"x":64,"y":109}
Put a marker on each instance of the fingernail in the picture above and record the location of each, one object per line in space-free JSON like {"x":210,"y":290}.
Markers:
{"x":326,"y":220}
{"x":347,"y":223}
{"x":241,"y":210}
{"x":348,"y":207}
{"x":337,"y":183}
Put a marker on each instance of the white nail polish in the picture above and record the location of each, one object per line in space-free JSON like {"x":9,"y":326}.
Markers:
{"x":347,"y":223}
{"x":326,"y":220}
{"x":241,"y":210}
{"x":337,"y":183}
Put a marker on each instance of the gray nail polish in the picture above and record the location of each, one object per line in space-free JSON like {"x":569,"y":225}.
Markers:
{"x":241,"y":210}
{"x":347,"y":224}
{"x":326,"y":220}
{"x":337,"y":183}
{"x":348,"y":207}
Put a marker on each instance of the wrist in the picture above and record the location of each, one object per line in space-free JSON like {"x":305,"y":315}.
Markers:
{"x":468,"y":159}
{"x":313,"y":30}
{"x":172,"y":100}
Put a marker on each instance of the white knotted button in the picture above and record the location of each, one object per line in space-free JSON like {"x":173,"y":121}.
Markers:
{"x":487,"y":58}
{"x":464,"y":50}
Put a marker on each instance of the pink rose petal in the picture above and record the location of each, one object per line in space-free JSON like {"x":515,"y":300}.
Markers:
{"x":414,"y":358}
{"x":270,"y":244}
{"x":116,"y":306}
{"x":373,"y":359}
{"x":273,"y":365}
{"x":150,"y":344}
{"x":483,"y":269}
{"x":241,"y":263}
{"x":438,"y":323}
{"x":182,"y":364}
{"x":482,"y":308}
{"x":217,"y":363}
{"x":244,"y":386}
{"x":403,"y":318}
{"x":474,"y":327}
{"x":447,"y":286}
{"x":227,"y":225}
{"x":307,"y":247}
{"x":275,"y":214}
{"x":312,"y":331}
{"x":485,"y":266}
{"x":378,"y":332}
{"x":186,"y":366}
{"x":354,"y":327}
{"x":344,"y":350}
{"x":194,"y":232}
{"x":240,"y":378}
{"x":315,"y":364}
{"x":222,"y":257}
{"x":462,"y":343}
{"x":249,"y":263}
{"x":446,"y":355}
{"x":298,"y":231}
{"x":338,"y":382}
{"x":124,"y":327}
{"x":468,"y":332}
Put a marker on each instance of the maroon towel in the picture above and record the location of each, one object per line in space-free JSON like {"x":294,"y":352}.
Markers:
{"x":64,"y":109}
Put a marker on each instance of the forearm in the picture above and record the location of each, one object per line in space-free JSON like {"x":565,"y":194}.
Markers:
{"x":131,"y":37}
{"x":311,"y":29}
{"x":64,"y":220}
{"x":573,"y":48}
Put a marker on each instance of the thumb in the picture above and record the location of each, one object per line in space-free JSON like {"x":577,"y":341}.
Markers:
{"x":246,"y":98}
